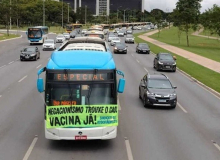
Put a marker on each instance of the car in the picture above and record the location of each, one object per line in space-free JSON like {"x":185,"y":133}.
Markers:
{"x":135,"y":28}
{"x":129,"y":31}
{"x":73,"y":34}
{"x":157,"y":90}
{"x":79,"y":35}
{"x":117,"y":30}
{"x":139,"y":28}
{"x":60,"y":38}
{"x":120,"y":48}
{"x":66,"y":35}
{"x":115,"y":40}
{"x":49,"y":44}
{"x":143,"y":48}
{"x":30,"y":53}
{"x":83,"y":31}
{"x":125,"y":31}
{"x":129,"y":38}
{"x":121,"y":33}
{"x":152,"y":26}
{"x":165,"y":61}
{"x":110,"y":37}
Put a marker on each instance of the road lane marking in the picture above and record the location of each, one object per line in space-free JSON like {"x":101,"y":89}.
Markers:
{"x":119,"y":106}
{"x":216,"y":145}
{"x":132,"y":55}
{"x":145,"y":69}
{"x":22,"y":78}
{"x":181,"y":107}
{"x":2,"y":66}
{"x":18,"y":59}
{"x":11,"y":62}
{"x":28,"y":153}
{"x":128,"y":148}
{"x":138,"y":61}
{"x":0,"y":96}
{"x":38,"y":66}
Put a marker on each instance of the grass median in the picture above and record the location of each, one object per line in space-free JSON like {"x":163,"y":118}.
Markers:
{"x":4,"y":36}
{"x":202,"y":74}
{"x":205,"y":47}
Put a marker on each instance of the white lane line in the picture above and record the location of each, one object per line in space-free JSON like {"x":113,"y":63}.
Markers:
{"x":137,"y":61}
{"x":128,"y":148}
{"x":38,"y":66}
{"x":28,"y":153}
{"x":2,"y":66}
{"x":18,"y":59}
{"x":132,"y":55}
{"x":216,"y":145}
{"x":145,"y":69}
{"x":181,"y":107}
{"x":22,"y":78}
{"x":119,"y":106}
{"x":0,"y":96}
{"x":11,"y":62}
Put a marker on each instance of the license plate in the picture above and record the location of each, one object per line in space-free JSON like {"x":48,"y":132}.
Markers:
{"x":80,"y":137}
{"x":47,"y":46}
{"x":144,"y":51}
{"x":161,"y":100}
{"x":120,"y":50}
{"x":27,"y":57}
{"x":167,"y":66}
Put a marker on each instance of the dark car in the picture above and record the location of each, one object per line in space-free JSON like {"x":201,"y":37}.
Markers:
{"x":73,"y":34}
{"x":165,"y":61}
{"x":157,"y":90}
{"x":30,"y":53}
{"x":120,"y":48}
{"x":143,"y":48}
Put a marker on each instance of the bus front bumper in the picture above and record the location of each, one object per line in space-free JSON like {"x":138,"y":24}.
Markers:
{"x":102,"y":133}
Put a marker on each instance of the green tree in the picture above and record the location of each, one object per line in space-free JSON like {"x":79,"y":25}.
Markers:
{"x":188,"y":15}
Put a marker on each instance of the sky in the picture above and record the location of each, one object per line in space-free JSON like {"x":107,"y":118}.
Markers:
{"x":169,"y":5}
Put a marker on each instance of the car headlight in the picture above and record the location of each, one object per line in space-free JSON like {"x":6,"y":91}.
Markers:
{"x":125,"y":49}
{"x":173,"y":95}
{"x":174,"y":63}
{"x":150,"y":94}
{"x":32,"y":54}
{"x":116,"y":48}
{"x":160,"y":62}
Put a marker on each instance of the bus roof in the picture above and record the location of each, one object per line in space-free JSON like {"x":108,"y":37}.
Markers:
{"x":81,"y":60}
{"x":38,"y":27}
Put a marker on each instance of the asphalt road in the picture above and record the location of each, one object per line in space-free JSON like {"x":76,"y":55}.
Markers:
{"x":184,"y":133}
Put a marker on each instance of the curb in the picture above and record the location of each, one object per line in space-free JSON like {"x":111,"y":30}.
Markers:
{"x":11,"y":39}
{"x":217,"y":94}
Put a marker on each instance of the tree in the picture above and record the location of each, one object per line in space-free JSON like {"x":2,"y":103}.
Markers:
{"x":188,"y":15}
{"x":157,"y":14}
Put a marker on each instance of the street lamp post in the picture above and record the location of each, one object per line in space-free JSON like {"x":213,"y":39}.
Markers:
{"x":85,"y":13}
{"x":43,"y":12}
{"x":10,"y":14}
{"x":124,"y":15}
{"x":62,"y":14}
{"x":68,"y":13}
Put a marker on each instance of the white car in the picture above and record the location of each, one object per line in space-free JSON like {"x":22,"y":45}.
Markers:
{"x":66,"y":35}
{"x":83,"y":31}
{"x":110,"y":37}
{"x":139,"y":28}
{"x":60,"y":38}
{"x":49,"y":44}
{"x":115,"y":40}
{"x":121,"y":33}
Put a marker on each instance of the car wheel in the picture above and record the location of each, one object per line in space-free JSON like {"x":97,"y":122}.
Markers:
{"x":35,"y":58}
{"x":157,"y":67}
{"x":21,"y":59}
{"x":172,"y":107}
{"x":39,"y":57}
{"x":174,"y":70}
{"x":125,"y":52}
{"x":140,"y":94}
{"x":145,"y":102}
{"x":136,"y":51}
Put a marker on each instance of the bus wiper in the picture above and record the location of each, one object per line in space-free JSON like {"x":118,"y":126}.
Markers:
{"x":90,"y":87}
{"x":70,"y":91}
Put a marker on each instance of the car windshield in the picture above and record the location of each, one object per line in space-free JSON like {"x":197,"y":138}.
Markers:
{"x":29,"y":49}
{"x":143,"y":45}
{"x":165,"y":57}
{"x":130,"y":36}
{"x":112,"y":35}
{"x":120,"y":45}
{"x":49,"y":42}
{"x":116,"y":39}
{"x":65,"y":33}
{"x":159,"y":84}
{"x":60,"y":36}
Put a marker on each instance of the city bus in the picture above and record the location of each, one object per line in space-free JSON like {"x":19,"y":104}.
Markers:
{"x":80,"y":93}
{"x":37,"y":34}
{"x":68,"y":28}
{"x":94,"y":33}
{"x":105,"y":28}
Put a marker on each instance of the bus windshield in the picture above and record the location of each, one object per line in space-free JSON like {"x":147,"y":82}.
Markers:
{"x":34,"y":33}
{"x":95,"y":35}
{"x":78,"y":94}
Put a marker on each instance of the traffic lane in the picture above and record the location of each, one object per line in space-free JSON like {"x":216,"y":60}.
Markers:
{"x":197,"y":101}
{"x":10,"y":50}
{"x":12,"y":73}
{"x":158,"y":133}
{"x":21,"y":115}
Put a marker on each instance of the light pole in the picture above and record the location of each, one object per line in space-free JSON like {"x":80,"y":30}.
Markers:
{"x":68,"y":13}
{"x":85,"y":13}
{"x":62,"y":14}
{"x":43,"y":12}
{"x":117,"y":14}
{"x":10,"y":14}
{"x":124,"y":15}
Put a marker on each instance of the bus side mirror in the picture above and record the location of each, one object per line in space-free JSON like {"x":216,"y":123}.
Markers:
{"x":40,"y":85}
{"x":121,"y":85}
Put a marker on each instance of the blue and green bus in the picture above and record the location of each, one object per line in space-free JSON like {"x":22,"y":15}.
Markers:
{"x":37,"y":34}
{"x":81,"y":90}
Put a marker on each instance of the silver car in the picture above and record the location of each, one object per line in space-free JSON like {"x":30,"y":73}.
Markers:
{"x":115,"y":40}
{"x":129,"y":38}
{"x":49,"y":44}
{"x":66,"y":35}
{"x":60,"y":38}
{"x":110,"y":37}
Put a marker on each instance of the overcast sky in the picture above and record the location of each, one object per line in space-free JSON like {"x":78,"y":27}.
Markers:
{"x":169,"y":5}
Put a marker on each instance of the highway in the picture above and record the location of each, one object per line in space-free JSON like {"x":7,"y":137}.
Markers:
{"x":189,"y":132}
